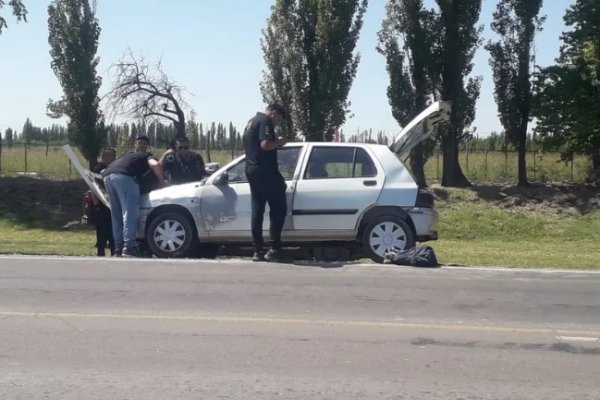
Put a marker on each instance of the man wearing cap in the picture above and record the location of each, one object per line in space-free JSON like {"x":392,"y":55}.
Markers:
{"x":121,"y":180}
{"x":267,"y":185}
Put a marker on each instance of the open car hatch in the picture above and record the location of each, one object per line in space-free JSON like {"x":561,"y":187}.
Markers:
{"x":421,"y":128}
{"x":92,"y":179}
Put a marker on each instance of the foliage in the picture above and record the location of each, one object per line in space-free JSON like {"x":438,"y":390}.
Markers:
{"x":145,"y":91}
{"x":516,"y":22}
{"x":459,"y":38}
{"x":9,"y":137}
{"x":309,"y":47}
{"x":18,"y":10}
{"x":73,"y":38}
{"x":567,"y":94}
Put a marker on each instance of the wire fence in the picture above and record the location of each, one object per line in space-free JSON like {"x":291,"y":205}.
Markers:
{"x":480,"y":166}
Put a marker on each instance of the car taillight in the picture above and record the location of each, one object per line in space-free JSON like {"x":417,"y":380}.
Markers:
{"x":424,"y":199}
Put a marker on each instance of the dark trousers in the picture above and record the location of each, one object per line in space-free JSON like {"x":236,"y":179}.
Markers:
{"x":267,"y":186}
{"x":104,"y":235}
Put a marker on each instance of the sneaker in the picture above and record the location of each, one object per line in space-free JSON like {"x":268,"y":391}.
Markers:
{"x":258,"y":256}
{"x":135,"y":252}
{"x":117,"y":253}
{"x":278,"y":256}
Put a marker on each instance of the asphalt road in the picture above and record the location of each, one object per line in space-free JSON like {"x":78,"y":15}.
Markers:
{"x":77,"y":328}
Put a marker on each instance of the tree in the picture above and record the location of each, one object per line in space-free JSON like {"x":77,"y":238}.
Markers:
{"x":567,"y":94}
{"x":73,"y":37}
{"x":406,"y":40}
{"x":18,"y":10}
{"x":8,"y":137}
{"x":516,"y":22}
{"x":309,"y":48}
{"x":453,"y":53}
{"x":145,"y":91}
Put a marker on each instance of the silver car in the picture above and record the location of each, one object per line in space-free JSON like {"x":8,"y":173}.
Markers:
{"x":345,"y":201}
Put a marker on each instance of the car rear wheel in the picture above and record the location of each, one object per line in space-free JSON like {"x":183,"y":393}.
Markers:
{"x":170,"y":235}
{"x":384,"y":234}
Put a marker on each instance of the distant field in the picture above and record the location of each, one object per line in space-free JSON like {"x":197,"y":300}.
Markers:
{"x":478,"y":167}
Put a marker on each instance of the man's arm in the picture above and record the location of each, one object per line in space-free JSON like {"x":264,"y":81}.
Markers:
{"x":269,"y":144}
{"x":157,"y":168}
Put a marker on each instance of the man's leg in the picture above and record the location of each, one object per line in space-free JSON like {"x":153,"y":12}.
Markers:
{"x":116,"y":213}
{"x":131,"y":206}
{"x":100,"y":237}
{"x":278,"y":209}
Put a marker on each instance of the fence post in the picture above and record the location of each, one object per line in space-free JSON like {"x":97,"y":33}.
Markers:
{"x":572,"y":163}
{"x":437,"y":165}
{"x":467,"y":156}
{"x":534,"y":157}
{"x":25,"y":147}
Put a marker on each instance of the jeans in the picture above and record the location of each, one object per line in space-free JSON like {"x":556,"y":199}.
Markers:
{"x":124,"y":198}
{"x":267,"y":186}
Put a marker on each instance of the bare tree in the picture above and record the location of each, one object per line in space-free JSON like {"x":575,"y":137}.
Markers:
{"x":145,"y":91}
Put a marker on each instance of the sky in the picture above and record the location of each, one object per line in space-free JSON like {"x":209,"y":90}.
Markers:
{"x":212,"y":48}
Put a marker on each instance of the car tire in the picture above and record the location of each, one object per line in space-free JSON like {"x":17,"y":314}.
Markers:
{"x":171,"y":235}
{"x":386,"y":233}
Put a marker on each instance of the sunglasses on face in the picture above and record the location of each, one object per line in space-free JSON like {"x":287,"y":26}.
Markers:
{"x":182,"y":147}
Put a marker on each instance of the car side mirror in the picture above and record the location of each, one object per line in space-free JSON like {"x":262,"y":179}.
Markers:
{"x":222,"y":179}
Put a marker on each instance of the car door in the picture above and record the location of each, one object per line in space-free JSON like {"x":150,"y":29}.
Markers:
{"x":226,"y":205}
{"x":338,"y":182}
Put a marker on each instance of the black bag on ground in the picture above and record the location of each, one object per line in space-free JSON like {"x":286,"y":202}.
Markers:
{"x":415,"y":257}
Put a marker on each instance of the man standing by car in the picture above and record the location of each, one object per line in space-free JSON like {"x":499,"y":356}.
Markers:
{"x":182,"y":165}
{"x":267,"y":185}
{"x":121,"y":180}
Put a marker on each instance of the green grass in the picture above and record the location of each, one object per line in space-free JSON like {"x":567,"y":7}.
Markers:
{"x":495,"y":167}
{"x":19,"y":238}
{"x":481,"y":235}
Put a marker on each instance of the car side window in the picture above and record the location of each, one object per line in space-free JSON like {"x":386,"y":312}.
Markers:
{"x":287,"y":158}
{"x":339,"y":162}
{"x":237,"y":173}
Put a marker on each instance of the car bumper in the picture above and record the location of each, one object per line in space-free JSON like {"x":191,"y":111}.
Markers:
{"x":425,"y":221}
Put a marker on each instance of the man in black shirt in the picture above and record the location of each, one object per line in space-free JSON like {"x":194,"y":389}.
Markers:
{"x":121,"y":180}
{"x":182,"y":165}
{"x":267,"y":185}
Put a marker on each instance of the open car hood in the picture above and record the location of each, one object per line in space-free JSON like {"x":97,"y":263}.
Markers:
{"x":91,"y":179}
{"x":421,"y":128}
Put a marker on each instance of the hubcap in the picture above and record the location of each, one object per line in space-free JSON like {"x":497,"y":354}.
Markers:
{"x":169,"y":236}
{"x":387,"y":236}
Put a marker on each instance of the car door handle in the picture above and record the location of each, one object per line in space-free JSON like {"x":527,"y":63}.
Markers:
{"x":369,"y":183}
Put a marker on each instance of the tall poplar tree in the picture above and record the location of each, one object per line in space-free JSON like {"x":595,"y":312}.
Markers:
{"x":515,"y":21}
{"x":406,"y":40}
{"x":309,"y":47}
{"x":73,"y":38}
{"x":458,"y":41}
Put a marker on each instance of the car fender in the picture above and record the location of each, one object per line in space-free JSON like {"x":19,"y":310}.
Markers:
{"x":377,"y":211}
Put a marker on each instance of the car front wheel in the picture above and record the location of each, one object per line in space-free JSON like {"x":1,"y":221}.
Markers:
{"x":384,"y":234}
{"x":170,"y":235}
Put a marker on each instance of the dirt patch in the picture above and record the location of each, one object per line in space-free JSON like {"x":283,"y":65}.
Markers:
{"x":29,"y":199}
{"x":556,"y":198}
{"x":60,"y":201}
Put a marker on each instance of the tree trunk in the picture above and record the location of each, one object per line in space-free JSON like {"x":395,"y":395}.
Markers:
{"x":522,"y":151}
{"x":417,"y":163}
{"x":452,"y":175}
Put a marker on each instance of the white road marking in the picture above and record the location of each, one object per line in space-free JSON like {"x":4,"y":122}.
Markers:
{"x":302,"y":321}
